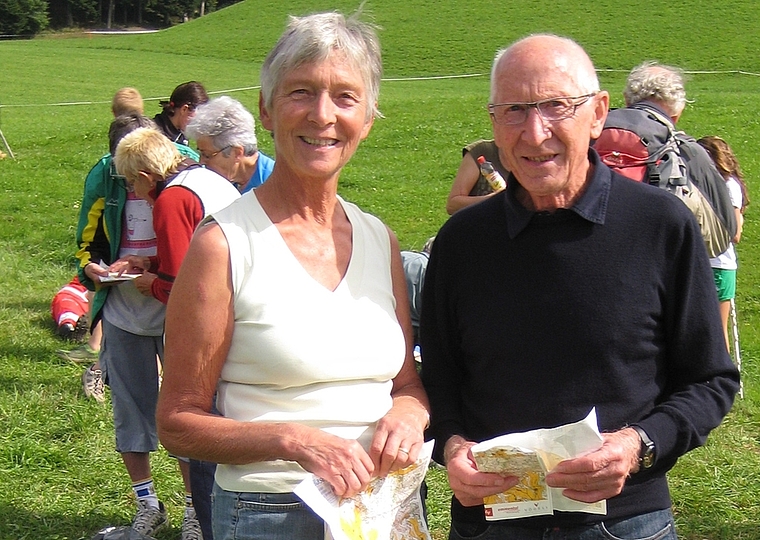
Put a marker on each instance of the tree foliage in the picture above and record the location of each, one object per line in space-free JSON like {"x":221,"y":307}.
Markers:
{"x":23,"y":17}
{"x":110,"y":13}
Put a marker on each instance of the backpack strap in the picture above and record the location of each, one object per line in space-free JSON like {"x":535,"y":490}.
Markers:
{"x":669,"y":169}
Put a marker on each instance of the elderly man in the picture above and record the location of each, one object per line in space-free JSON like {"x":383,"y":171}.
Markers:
{"x":658,"y":89}
{"x":589,"y":291}
{"x":226,"y":137}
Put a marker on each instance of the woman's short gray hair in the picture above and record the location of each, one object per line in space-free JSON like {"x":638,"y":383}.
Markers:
{"x":658,"y":82}
{"x":313,"y":39}
{"x":227,"y":123}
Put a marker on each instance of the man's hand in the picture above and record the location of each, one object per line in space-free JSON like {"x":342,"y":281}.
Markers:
{"x":469,"y":485}
{"x":602,"y":473}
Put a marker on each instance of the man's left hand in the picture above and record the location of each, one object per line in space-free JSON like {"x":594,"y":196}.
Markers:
{"x":602,"y":473}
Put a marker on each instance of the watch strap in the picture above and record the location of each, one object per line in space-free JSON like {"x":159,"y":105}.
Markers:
{"x":646,"y":454}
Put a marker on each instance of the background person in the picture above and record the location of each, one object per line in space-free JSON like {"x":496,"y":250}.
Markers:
{"x":125,"y":101}
{"x":303,"y":323}
{"x":115,"y":224}
{"x":588,"y":290}
{"x":225,"y":135}
{"x":181,"y":193}
{"x":469,"y":185}
{"x":652,"y":86}
{"x":177,"y":112}
{"x":725,"y":265}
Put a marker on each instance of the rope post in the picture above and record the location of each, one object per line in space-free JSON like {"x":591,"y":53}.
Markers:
{"x":5,"y":142}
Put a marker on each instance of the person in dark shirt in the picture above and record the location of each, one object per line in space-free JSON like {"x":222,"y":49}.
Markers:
{"x":179,"y":110}
{"x":572,"y":289}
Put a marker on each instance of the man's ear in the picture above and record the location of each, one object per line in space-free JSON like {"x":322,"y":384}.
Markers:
{"x":601,"y":106}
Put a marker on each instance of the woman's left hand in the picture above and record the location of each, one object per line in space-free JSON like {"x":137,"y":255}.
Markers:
{"x":399,"y":436}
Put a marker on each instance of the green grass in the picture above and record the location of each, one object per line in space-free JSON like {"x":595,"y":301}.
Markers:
{"x":61,"y":477}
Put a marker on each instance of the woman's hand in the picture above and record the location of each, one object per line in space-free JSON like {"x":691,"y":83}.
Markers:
{"x":343,"y":463}
{"x":399,"y":437}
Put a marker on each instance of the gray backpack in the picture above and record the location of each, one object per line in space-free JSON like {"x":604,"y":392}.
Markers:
{"x":642,"y":144}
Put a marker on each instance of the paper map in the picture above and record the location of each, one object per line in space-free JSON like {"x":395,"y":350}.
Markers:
{"x":389,"y":508}
{"x":529,"y":456}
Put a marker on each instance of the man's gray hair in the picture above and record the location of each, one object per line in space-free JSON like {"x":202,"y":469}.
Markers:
{"x":585,"y":75}
{"x":312,"y":39}
{"x":227,"y":123}
{"x":657,"y":82}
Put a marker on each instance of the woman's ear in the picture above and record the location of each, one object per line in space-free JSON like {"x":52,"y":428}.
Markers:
{"x":266,"y":120}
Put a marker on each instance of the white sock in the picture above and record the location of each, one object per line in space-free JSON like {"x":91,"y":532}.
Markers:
{"x":144,"y":491}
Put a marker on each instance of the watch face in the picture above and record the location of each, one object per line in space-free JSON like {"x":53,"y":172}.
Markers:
{"x":646,"y":454}
{"x":647,"y":459}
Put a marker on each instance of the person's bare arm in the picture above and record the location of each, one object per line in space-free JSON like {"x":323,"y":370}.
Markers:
{"x":466,"y":177}
{"x":399,"y":435}
{"x":739,"y":226}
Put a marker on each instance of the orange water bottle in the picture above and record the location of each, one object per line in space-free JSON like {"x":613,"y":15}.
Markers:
{"x":492,"y":175}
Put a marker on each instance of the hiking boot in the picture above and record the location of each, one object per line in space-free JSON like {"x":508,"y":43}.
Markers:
{"x":148,"y":520}
{"x":92,"y":383}
{"x":80,"y":355}
{"x":191,"y":529}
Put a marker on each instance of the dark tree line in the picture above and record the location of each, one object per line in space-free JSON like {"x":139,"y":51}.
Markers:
{"x":28,"y":17}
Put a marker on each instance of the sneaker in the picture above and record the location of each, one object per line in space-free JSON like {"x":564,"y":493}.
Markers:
{"x":148,"y":520}
{"x":92,"y":383}
{"x":191,"y":528}
{"x":80,"y":355}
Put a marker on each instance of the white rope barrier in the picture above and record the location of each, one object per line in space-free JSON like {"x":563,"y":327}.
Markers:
{"x":394,"y":79}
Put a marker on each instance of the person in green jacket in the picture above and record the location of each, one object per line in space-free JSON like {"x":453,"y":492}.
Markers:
{"x":114,"y":223}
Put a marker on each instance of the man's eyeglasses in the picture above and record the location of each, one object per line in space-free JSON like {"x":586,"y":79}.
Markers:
{"x":551,"y":110}
{"x":207,"y":157}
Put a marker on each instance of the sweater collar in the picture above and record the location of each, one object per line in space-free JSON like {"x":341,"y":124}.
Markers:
{"x":591,"y":205}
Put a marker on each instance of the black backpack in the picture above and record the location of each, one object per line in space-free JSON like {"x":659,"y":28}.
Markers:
{"x":641,"y":143}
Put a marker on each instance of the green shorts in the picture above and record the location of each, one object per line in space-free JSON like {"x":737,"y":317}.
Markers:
{"x":725,"y":283}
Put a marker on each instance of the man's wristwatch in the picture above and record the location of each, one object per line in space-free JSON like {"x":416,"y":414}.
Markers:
{"x":646,"y":453}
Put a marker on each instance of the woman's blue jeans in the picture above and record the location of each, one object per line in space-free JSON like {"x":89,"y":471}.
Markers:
{"x":263,"y":516}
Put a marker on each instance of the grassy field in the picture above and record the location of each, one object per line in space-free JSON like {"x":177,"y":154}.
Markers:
{"x":60,"y":475}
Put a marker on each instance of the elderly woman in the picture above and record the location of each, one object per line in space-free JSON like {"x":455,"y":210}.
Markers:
{"x":292,"y":302}
{"x":225,"y":134}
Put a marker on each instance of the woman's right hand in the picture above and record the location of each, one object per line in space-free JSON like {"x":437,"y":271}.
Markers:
{"x":343,"y":463}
